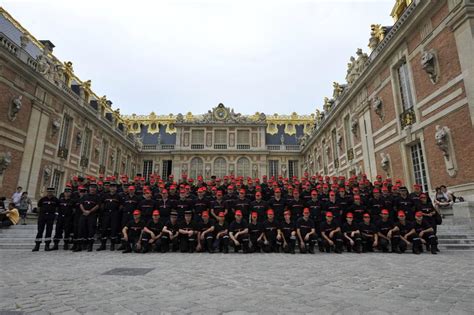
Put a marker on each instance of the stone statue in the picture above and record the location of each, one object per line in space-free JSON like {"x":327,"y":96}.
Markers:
{"x":428,"y":62}
{"x":361,"y":61}
{"x":282,"y":139}
{"x":338,"y":90}
{"x":5,"y":161}
{"x":442,"y":140}
{"x":15,"y":107}
{"x":44,"y":65}
{"x":328,"y":103}
{"x":377,"y":105}
{"x":385,"y":162}
{"x":283,"y":170}
{"x":179,"y":118}
{"x":351,"y":67}
{"x":377,"y":34}
{"x":354,"y":125}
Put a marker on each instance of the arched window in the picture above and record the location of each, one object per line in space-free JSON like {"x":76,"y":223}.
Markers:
{"x":243,"y":167}
{"x":220,"y":167}
{"x":197,"y":167}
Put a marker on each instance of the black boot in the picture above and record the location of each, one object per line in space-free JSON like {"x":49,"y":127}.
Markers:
{"x":102,"y":245}
{"x":127,"y":248}
{"x":112,"y":246}
{"x":55,"y":246}
{"x":66,"y":245}
{"x":46,"y":246}
{"x":37,"y":247}
{"x":90,"y":246}
{"x":78,"y":246}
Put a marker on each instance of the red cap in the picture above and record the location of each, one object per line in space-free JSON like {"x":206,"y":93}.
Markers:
{"x":219,"y":193}
{"x":221,"y":214}
{"x":135,"y":212}
{"x":418,"y":214}
{"x":401,"y":213}
{"x":385,"y":211}
{"x":329,"y":214}
{"x":254,"y":214}
{"x":287,"y":212}
{"x":205,"y":214}
{"x":182,"y":191}
{"x":356,"y":197}
{"x":238,"y":212}
{"x":242,"y":191}
{"x":306,"y":210}
{"x":156,"y":212}
{"x":332,"y":193}
{"x":131,"y":187}
{"x":258,"y":194}
{"x":314,"y":193}
{"x":376,"y":191}
{"x":270,"y":211}
{"x":349,"y":215}
{"x":277,"y":190}
{"x":366,"y":215}
{"x":384,"y":188}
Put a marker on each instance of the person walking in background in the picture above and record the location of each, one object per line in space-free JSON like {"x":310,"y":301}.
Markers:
{"x":24,"y":206}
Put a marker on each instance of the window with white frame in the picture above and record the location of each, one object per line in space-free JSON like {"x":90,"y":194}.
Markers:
{"x":347,"y":132}
{"x":197,"y":168}
{"x":418,"y":163}
{"x":86,"y":144}
{"x":404,"y":83}
{"x":104,"y":153}
{"x":220,"y":167}
{"x":147,"y":168}
{"x":292,"y":168}
{"x":273,"y":168}
{"x":243,"y":167}
{"x":197,"y":136}
{"x":243,"y":137}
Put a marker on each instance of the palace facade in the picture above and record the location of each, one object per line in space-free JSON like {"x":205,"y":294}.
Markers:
{"x":405,"y":111}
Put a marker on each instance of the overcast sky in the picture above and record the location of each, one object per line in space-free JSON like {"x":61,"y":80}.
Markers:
{"x":171,"y":56}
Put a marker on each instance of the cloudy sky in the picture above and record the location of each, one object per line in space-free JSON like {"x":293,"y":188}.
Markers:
{"x":171,"y":56}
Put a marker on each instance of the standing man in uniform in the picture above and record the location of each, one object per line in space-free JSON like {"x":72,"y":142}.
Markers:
{"x":89,"y":206}
{"x":111,"y":217}
{"x":65,"y":219}
{"x":47,"y":210}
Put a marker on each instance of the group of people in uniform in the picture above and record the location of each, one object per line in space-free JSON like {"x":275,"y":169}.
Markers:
{"x":276,"y":214}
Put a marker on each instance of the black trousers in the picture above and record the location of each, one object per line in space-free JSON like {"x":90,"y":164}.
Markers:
{"x":167,"y":244}
{"x":337,"y":239}
{"x":244,"y":243}
{"x":290,"y":243}
{"x":75,"y":226}
{"x":357,"y":247}
{"x":255,"y":245}
{"x":430,"y":239}
{"x":272,"y":245}
{"x":414,"y":239}
{"x":155,"y":245}
{"x":187,"y":243}
{"x":207,"y":243}
{"x":222,"y":243}
{"x":111,"y":222}
{"x":367,"y":242}
{"x":308,"y":245}
{"x":87,"y":227}
{"x":131,"y":243}
{"x":64,"y":224}
{"x":45,"y":221}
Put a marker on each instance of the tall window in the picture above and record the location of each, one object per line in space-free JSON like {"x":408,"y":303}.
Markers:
{"x":405,"y":86}
{"x":197,"y":137}
{"x":197,"y":167}
{"x":103,"y":157}
{"x":64,"y":137}
{"x":220,"y":139}
{"x":243,"y":167}
{"x":147,"y":168}
{"x":419,"y":169}
{"x":243,"y":139}
{"x":118,"y":161}
{"x":56,"y":180}
{"x":347,"y":132}
{"x":166,"y":169}
{"x":220,"y":167}
{"x":292,"y":168}
{"x":335,"y":152}
{"x":273,"y":168}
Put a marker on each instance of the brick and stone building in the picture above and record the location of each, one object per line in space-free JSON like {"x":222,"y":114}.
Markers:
{"x":405,"y":111}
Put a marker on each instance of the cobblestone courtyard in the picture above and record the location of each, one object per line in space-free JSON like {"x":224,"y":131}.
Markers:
{"x":67,"y":283}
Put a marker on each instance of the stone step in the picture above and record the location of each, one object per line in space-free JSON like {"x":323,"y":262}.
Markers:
{"x":449,"y":247}
{"x":456,"y":241}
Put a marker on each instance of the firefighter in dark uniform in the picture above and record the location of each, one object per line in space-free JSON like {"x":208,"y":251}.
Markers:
{"x":151,"y":238}
{"x":165,"y":205}
{"x":201,"y":204}
{"x":255,"y":233}
{"x":147,"y":205}
{"x":287,"y":234}
{"x":405,"y":203}
{"x":76,"y":238}
{"x":64,"y":222}
{"x":351,"y":234}
{"x":130,"y":203}
{"x":111,"y":217}
{"x":406,"y":234}
{"x":270,"y":229}
{"x":170,"y":234}
{"x":385,"y":230}
{"x":331,"y":233}
{"x":278,"y":204}
{"x":218,"y":205}
{"x":241,"y":204}
{"x":89,"y":206}
{"x":368,"y":231}
{"x":132,"y":233}
{"x":425,"y":232}
{"x":306,"y":232}
{"x":260,"y":206}
{"x":296,"y":205}
{"x":205,"y":234}
{"x":221,"y":231}
{"x":187,"y":233}
{"x":183,"y":205}
{"x":239,"y":233}
{"x":48,"y":206}
{"x":358,"y":209}
{"x":429,"y":212}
